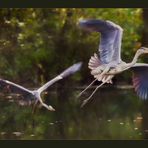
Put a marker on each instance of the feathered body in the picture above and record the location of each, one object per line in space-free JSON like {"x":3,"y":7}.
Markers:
{"x":35,"y":95}
{"x":107,"y":63}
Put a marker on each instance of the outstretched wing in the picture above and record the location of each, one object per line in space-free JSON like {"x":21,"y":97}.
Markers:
{"x":140,"y":79}
{"x":13,"y":88}
{"x":72,"y":69}
{"x":110,"y":41}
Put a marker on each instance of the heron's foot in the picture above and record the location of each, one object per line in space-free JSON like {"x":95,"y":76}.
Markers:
{"x":112,"y":67}
{"x":103,"y":77}
{"x":105,"y":72}
{"x":98,"y":70}
{"x":104,"y":68}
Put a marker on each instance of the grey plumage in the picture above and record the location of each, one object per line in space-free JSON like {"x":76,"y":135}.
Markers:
{"x":140,"y":79}
{"x":110,"y":57}
{"x":35,"y":94}
{"x":110,"y":39}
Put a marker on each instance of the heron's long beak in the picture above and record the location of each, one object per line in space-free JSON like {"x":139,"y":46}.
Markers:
{"x":145,"y":49}
{"x":45,"y":105}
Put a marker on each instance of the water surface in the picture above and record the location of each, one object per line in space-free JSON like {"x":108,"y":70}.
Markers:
{"x":113,"y":113}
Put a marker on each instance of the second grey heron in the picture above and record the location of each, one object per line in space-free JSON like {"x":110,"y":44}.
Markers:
{"x":36,"y":94}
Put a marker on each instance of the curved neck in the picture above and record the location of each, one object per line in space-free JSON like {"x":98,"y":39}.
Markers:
{"x":134,"y":61}
{"x":135,"y":58}
{"x":126,"y":65}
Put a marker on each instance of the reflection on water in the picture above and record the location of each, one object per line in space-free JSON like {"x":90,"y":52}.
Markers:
{"x":112,"y":114}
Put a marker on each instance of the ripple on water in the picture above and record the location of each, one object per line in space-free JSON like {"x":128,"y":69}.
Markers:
{"x":3,"y":133}
{"x":121,"y":123}
{"x":17,"y":134}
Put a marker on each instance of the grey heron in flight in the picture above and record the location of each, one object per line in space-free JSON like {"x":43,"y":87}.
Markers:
{"x":35,"y":95}
{"x":109,"y":63}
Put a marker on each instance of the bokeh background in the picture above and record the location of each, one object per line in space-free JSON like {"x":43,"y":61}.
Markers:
{"x":37,"y":44}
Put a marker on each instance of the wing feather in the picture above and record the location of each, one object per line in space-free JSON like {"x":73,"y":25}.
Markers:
{"x":140,"y":79}
{"x":72,"y":69}
{"x":13,"y":88}
{"x":110,"y":41}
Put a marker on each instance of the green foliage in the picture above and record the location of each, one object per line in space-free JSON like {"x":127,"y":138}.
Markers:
{"x":37,"y":44}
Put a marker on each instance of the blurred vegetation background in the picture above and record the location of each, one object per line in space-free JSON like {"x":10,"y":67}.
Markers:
{"x":37,"y":44}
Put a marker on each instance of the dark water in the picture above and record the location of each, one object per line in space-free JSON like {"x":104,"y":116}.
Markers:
{"x":112,"y":114}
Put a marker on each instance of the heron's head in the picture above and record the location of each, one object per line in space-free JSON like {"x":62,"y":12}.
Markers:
{"x":142,"y":50}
